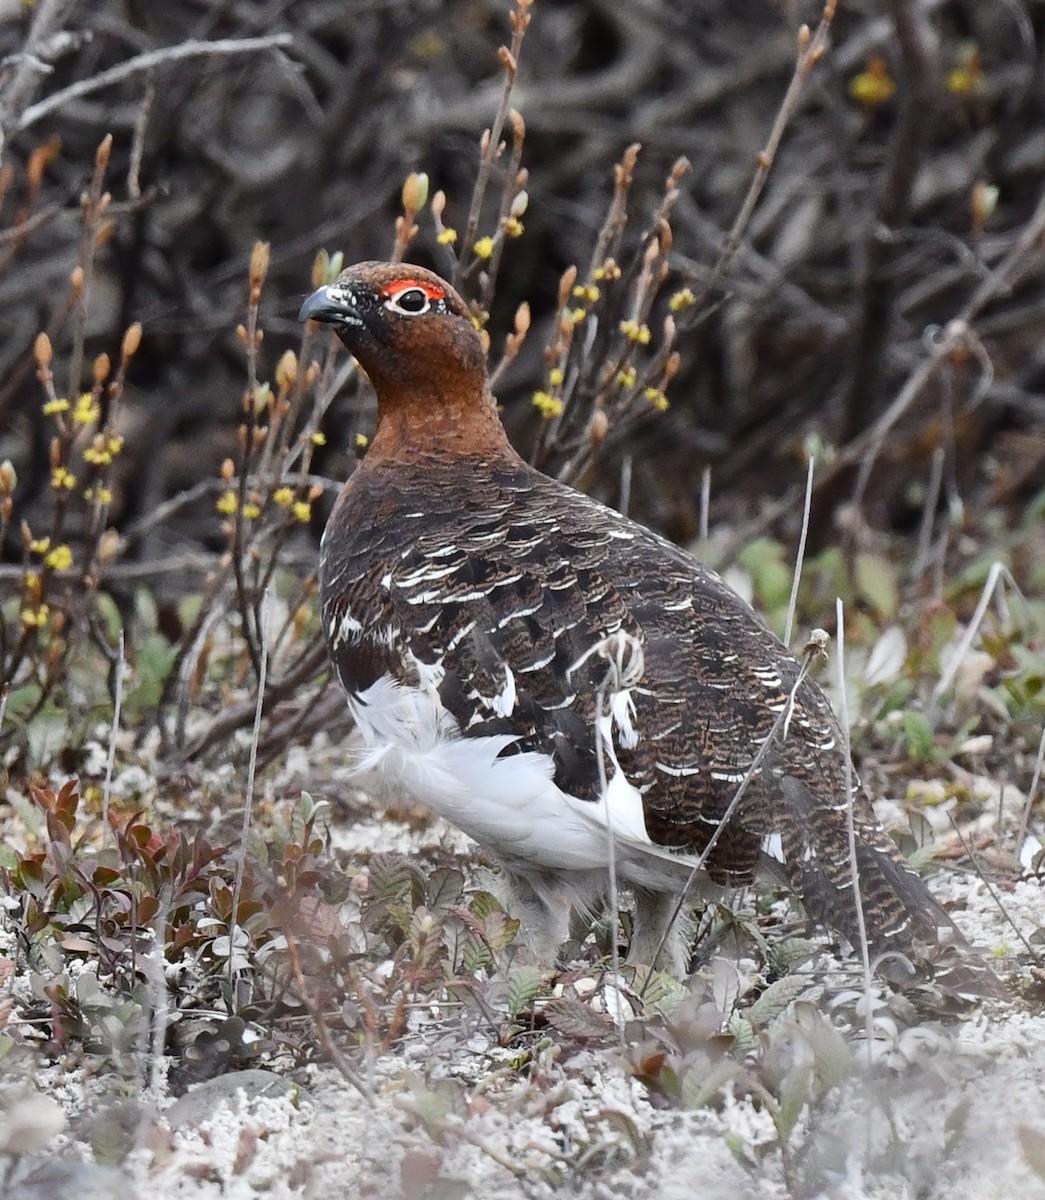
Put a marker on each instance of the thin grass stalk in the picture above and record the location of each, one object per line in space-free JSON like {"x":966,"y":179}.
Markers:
{"x":611,"y":859}
{"x":705,"y":508}
{"x":858,"y":903}
{"x":1032,"y":791}
{"x":796,"y":579}
{"x":248,"y":800}
{"x":928,"y":521}
{"x":998,"y":573}
{"x":117,"y":708}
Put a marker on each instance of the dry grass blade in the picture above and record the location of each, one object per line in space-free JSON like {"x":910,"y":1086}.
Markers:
{"x":118,"y":673}
{"x":1034,"y":953}
{"x":1032,"y":791}
{"x":248,"y":797}
{"x":796,"y":577}
{"x":997,"y":576}
{"x":858,"y":901}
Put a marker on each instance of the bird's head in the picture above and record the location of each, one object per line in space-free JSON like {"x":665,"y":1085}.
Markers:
{"x":413,"y":335}
{"x":404,"y":325}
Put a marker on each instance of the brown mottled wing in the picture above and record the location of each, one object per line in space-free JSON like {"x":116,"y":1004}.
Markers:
{"x":507,"y":569}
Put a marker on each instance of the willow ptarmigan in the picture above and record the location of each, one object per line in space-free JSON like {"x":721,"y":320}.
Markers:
{"x":471,"y":604}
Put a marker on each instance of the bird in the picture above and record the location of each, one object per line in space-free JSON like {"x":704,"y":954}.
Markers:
{"x":565,"y":686}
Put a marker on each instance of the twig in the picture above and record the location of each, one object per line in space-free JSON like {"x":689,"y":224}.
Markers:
{"x":912,"y":34}
{"x":310,"y":661}
{"x":345,"y":1069}
{"x":800,"y":556}
{"x":117,"y":706}
{"x":957,"y":337}
{"x":925,"y":529}
{"x":705,"y":506}
{"x":1039,"y":762}
{"x":850,"y":820}
{"x":810,"y":51}
{"x":490,"y":146}
{"x":47,"y":18}
{"x":997,"y":572}
{"x":134,"y":190}
{"x":248,"y":800}
{"x":24,"y":228}
{"x":1035,"y":954}
{"x":147,"y":62}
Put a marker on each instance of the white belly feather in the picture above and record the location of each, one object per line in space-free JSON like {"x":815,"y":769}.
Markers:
{"x":510,"y":805}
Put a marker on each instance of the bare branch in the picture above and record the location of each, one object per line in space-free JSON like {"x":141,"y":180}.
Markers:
{"x":147,"y":62}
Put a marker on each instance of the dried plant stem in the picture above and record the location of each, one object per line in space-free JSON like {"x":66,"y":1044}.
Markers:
{"x":998,"y":573}
{"x":800,"y":556}
{"x":117,"y":707}
{"x":810,"y":51}
{"x":1034,"y":953}
{"x":490,"y":146}
{"x":47,"y":17}
{"x":850,"y":816}
{"x":153,"y":1040}
{"x":344,"y":1067}
{"x":1032,"y":791}
{"x":925,"y":529}
{"x":248,"y":799}
{"x":148,"y":62}
{"x":611,"y":859}
{"x":141,"y":122}
{"x":627,"y":466}
{"x":705,"y":507}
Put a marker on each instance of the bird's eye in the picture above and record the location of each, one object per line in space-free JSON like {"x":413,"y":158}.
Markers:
{"x":410,"y":301}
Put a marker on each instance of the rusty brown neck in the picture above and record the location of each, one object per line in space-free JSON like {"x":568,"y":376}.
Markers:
{"x":425,"y":420}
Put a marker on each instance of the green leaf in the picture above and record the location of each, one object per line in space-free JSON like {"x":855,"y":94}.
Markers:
{"x":476,"y":955}
{"x":771,"y":576}
{"x":524,"y":982}
{"x":795,"y":1089}
{"x":918,"y":735}
{"x":775,"y":1000}
{"x":444,"y":889}
{"x":700,"y":1087}
{"x":484,"y":903}
{"x":743,"y":1033}
{"x":876,"y":583}
{"x":499,"y":931}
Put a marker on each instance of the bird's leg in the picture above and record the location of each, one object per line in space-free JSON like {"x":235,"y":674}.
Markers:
{"x":653,"y":913}
{"x":542,"y":910}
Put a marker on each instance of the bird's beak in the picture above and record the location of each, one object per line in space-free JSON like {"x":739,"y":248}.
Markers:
{"x":329,"y":306}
